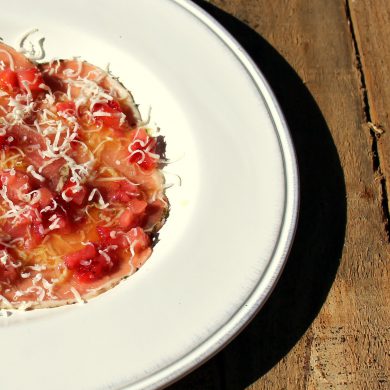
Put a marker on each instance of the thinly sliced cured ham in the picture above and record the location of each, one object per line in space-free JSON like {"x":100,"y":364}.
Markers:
{"x":81,"y":192}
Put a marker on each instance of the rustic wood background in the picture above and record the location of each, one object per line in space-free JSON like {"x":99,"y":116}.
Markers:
{"x":327,"y":324}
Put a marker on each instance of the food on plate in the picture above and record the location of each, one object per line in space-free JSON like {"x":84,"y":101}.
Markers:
{"x":81,"y":190}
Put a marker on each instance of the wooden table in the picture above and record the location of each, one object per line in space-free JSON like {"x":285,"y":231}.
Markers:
{"x":327,"y":324}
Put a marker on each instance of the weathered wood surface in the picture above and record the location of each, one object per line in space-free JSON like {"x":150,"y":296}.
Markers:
{"x":371,"y":26}
{"x":327,"y":324}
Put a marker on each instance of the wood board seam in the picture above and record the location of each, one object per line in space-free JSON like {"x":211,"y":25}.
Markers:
{"x":373,"y":128}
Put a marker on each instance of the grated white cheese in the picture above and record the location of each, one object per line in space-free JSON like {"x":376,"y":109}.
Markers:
{"x":30,"y":169}
{"x":101,"y":204}
{"x":48,"y":208}
{"x":77,"y":295}
{"x":10,"y":59}
{"x":4,"y":256}
{"x":55,"y":224}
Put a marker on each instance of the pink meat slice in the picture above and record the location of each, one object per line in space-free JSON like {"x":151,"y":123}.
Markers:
{"x":13,"y":59}
{"x":57,"y":71}
{"x":27,"y":138}
{"x":30,"y":141}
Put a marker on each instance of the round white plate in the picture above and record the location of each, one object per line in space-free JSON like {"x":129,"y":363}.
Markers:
{"x":232,"y":219}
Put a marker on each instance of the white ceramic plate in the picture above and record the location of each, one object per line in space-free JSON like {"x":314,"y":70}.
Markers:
{"x":232,"y":220}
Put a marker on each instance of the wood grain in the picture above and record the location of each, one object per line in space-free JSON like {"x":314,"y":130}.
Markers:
{"x":370,"y":21}
{"x":327,"y":324}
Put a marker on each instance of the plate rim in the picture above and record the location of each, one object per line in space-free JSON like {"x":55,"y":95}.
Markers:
{"x":259,"y":295}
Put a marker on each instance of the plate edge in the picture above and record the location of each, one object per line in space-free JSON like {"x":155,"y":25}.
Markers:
{"x":241,"y":318}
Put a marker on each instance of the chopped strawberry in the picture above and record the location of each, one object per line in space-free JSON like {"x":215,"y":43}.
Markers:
{"x":66,"y":108}
{"x":139,"y":239}
{"x":104,"y":233}
{"x":6,"y":141}
{"x":110,"y":114}
{"x":76,"y":193}
{"x":30,"y":216}
{"x":35,"y":236}
{"x":143,"y":159}
{"x":142,"y":150}
{"x":63,"y":223}
{"x":18,"y":185}
{"x":73,"y":260}
{"x":137,"y":206}
{"x":141,"y":140}
{"x":30,"y":79}
{"x":8,"y":272}
{"x":45,"y":197}
{"x":90,"y":264}
{"x":96,"y":269}
{"x":27,"y":227}
{"x":8,"y":80}
{"x":127,"y":219}
{"x":57,"y":220}
{"x":124,"y":192}
{"x":131,"y":216}
{"x":109,"y":236}
{"x":3,"y":140}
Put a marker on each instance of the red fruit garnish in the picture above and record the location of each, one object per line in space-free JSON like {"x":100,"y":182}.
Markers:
{"x":110,"y":236}
{"x":30,"y":79}
{"x":131,"y":216}
{"x":89,"y":264}
{"x":137,"y":206}
{"x":120,"y":191}
{"x":127,"y":219}
{"x":110,"y":114}
{"x":35,"y":236}
{"x":8,"y":80}
{"x":8,"y":272}
{"x":142,"y":150}
{"x":139,"y":239}
{"x":95,"y":270}
{"x":73,"y":260}
{"x":18,"y":184}
{"x":77,"y":194}
{"x":45,"y":197}
{"x":66,"y":108}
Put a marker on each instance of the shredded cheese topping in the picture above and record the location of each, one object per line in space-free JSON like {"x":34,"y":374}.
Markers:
{"x":67,"y":167}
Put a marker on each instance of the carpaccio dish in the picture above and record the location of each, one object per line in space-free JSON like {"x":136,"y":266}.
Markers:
{"x":81,"y":190}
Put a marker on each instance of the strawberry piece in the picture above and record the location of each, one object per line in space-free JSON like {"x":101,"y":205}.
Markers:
{"x":73,"y":260}
{"x":141,"y":148}
{"x":35,"y":236}
{"x":131,"y":216}
{"x":8,"y":272}
{"x":139,"y":239}
{"x":89,"y":264}
{"x":110,"y":236}
{"x":42,"y":198}
{"x":77,"y":194}
{"x":46,"y":197}
{"x":122,"y":191}
{"x":137,"y":206}
{"x":110,"y":114}
{"x":66,"y":108}
{"x":17,"y":185}
{"x":97,"y":268}
{"x":127,"y":219}
{"x":8,"y":80}
{"x":63,"y":223}
{"x":30,"y":79}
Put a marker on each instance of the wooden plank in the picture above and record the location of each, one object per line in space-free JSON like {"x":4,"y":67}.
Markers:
{"x":326,"y":326}
{"x":370,"y":21}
